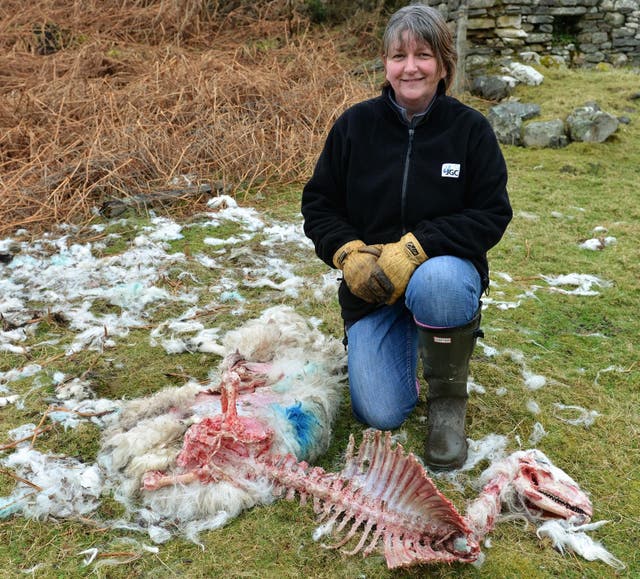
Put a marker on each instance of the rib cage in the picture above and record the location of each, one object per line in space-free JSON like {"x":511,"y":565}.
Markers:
{"x":385,"y":495}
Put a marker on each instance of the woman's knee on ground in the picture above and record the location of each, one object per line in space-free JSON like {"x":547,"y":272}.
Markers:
{"x":380,"y":418}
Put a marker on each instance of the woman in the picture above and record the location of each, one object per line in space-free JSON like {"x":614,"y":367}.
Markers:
{"x":407,"y":196}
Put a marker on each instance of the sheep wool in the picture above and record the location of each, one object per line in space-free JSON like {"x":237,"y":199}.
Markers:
{"x":301,"y":374}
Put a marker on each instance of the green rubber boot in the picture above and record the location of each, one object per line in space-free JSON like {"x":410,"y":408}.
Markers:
{"x":445,"y":357}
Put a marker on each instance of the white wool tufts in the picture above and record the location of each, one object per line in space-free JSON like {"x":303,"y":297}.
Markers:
{"x":323,"y":530}
{"x":156,"y":404}
{"x":533,"y":381}
{"x":139,"y":441}
{"x":582,"y":416}
{"x":565,"y":536}
{"x":75,"y":389}
{"x":537,"y":435}
{"x":533,"y":406}
{"x":195,"y":501}
{"x":583,"y":283}
{"x":193,"y":529}
{"x":12,"y":399}
{"x":491,"y":448}
{"x":68,"y":487}
{"x":275,"y":334}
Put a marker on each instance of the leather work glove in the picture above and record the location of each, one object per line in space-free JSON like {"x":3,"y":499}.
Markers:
{"x":398,"y":261}
{"x":361,"y":272}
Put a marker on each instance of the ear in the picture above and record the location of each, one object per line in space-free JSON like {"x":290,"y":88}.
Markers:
{"x":384,"y":64}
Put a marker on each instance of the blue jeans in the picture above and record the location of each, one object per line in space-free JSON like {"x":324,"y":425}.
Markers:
{"x":443,"y":292}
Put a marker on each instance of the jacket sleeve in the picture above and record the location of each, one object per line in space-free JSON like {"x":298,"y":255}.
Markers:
{"x":480,"y":224}
{"x":324,"y":197}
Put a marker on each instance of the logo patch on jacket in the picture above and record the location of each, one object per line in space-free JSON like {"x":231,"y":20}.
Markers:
{"x":450,"y":170}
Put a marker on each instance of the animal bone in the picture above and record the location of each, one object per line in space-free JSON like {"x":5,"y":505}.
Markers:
{"x":528,"y":484}
{"x":389,"y":493}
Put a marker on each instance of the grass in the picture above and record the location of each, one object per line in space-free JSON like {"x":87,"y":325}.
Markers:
{"x":585,"y":346}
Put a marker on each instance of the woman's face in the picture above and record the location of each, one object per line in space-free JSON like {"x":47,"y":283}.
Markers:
{"x":412,"y":70}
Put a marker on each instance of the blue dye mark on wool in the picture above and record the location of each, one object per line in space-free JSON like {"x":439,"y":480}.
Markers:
{"x":9,"y":506}
{"x":312,"y":368}
{"x":292,"y":380}
{"x":305,"y":426}
{"x":284,"y":384}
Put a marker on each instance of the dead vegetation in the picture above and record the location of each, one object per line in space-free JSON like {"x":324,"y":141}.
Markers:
{"x":109,"y":99}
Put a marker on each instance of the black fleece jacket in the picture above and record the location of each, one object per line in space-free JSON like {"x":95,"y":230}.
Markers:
{"x":441,"y":177}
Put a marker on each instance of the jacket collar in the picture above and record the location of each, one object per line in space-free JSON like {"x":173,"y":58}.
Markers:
{"x":390,"y":97}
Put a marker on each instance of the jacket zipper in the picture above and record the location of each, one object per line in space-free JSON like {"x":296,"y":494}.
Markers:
{"x":405,"y":178}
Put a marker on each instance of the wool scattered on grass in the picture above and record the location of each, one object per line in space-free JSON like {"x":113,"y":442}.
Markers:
{"x":67,"y":275}
{"x":598,"y":243}
{"x":583,"y":284}
{"x":581,"y":416}
{"x":567,"y":537}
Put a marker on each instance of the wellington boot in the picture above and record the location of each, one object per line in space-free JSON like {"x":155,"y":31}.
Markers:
{"x":445,"y":357}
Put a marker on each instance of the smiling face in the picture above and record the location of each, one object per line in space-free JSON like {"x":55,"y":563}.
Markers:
{"x":413,"y":72}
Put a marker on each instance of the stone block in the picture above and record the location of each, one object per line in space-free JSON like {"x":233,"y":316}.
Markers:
{"x":540,"y":19}
{"x":620,"y":60}
{"x":595,"y":57}
{"x":589,"y":123}
{"x":568,"y":10}
{"x":622,"y":33}
{"x":509,"y":21}
{"x":507,"y":128}
{"x":529,"y":56}
{"x":474,"y":4}
{"x":524,"y":73}
{"x":539,"y":37}
{"x":626,"y":6}
{"x":626,"y":42}
{"x":480,"y":23}
{"x":505,"y":33}
{"x":599,"y":37}
{"x":491,"y":88}
{"x":476,"y":61}
{"x":513,"y":42}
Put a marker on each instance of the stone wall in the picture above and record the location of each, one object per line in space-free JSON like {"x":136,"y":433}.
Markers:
{"x":580,"y":32}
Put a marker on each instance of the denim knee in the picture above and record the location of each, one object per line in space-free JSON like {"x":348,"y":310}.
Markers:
{"x":444,"y":291}
{"x":380,"y":418}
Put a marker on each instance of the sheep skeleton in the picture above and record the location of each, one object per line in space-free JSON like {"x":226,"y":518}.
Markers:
{"x":381,"y":489}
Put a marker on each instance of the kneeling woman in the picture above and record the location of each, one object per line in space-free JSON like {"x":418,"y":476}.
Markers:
{"x":408,"y":195}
